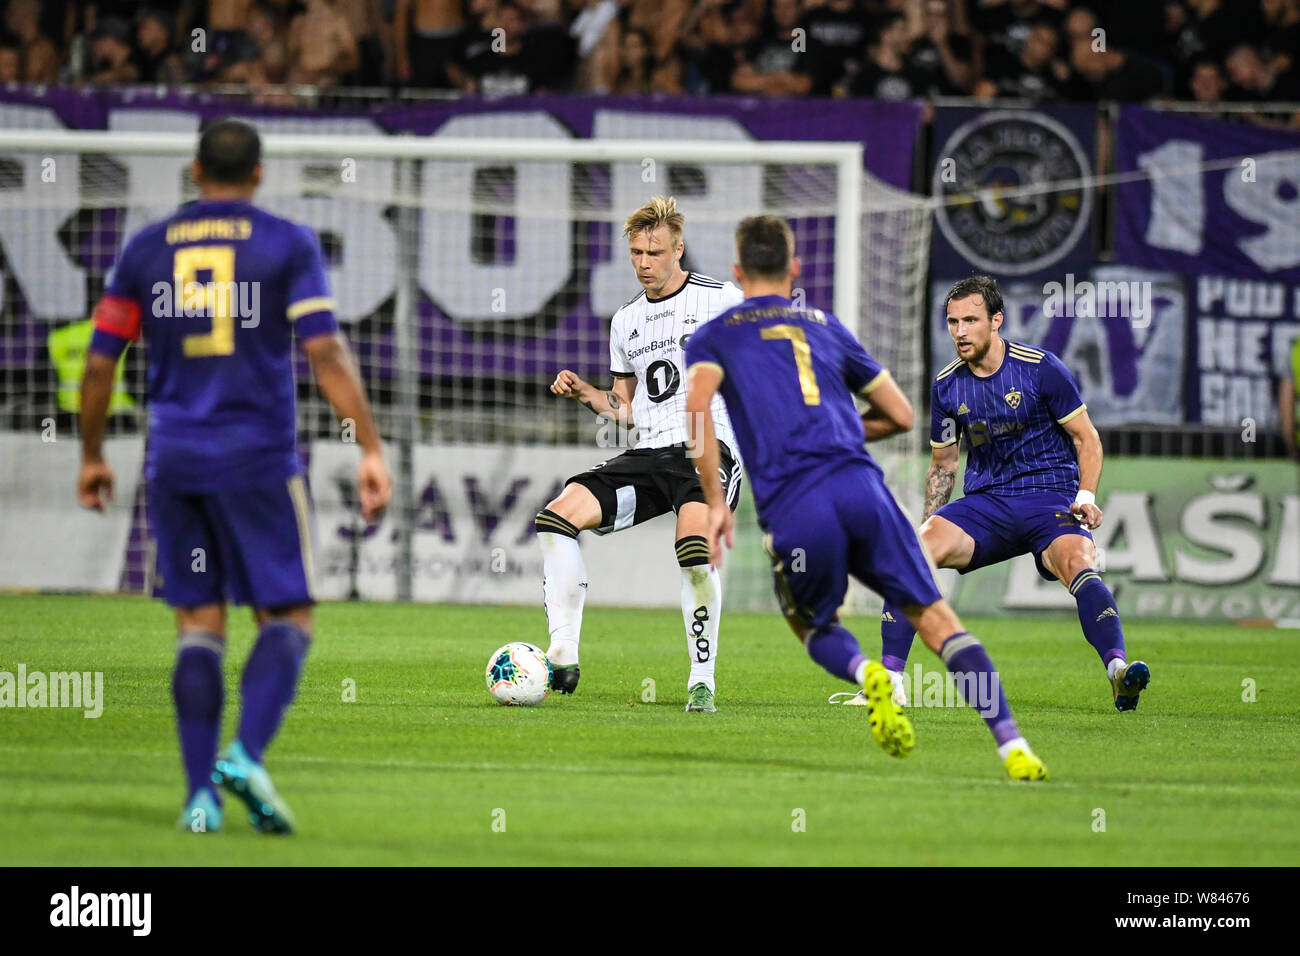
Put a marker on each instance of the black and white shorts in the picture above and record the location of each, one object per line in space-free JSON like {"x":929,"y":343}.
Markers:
{"x":646,"y":482}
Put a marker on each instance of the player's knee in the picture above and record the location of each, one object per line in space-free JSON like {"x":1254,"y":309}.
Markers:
{"x":693,"y":555}
{"x":549,"y":521}
{"x":1073,"y":560}
{"x":937,"y":542}
{"x":800,"y":627}
{"x":298,"y":616}
{"x":934,"y":623}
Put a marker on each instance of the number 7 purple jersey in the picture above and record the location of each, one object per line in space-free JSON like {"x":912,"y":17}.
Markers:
{"x":788,"y":378}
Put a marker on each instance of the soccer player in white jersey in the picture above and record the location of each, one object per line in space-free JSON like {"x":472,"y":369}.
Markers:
{"x":646,"y":348}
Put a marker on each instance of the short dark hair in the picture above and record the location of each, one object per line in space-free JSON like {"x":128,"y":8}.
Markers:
{"x":983,"y":286}
{"x":229,"y":150}
{"x":765,"y":247}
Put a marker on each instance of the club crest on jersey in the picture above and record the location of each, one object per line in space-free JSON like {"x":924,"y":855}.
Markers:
{"x":1013,"y":397}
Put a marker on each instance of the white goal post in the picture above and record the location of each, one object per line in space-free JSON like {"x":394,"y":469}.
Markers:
{"x":466,"y":271}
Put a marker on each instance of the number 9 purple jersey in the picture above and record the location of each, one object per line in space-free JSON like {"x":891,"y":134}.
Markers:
{"x":218,"y":291}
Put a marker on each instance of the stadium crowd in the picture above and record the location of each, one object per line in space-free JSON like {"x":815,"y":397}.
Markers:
{"x":1126,"y":50}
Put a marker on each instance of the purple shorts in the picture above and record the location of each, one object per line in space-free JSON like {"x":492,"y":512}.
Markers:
{"x":1005,"y":526}
{"x":846,"y":523}
{"x":251,"y":546}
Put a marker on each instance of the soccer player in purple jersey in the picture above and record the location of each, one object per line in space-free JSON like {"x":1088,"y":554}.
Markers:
{"x":218,"y":291}
{"x":788,"y":376}
{"x":1033,"y":462}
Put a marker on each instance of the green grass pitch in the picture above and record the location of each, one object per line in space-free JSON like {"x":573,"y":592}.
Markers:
{"x":424,"y":768}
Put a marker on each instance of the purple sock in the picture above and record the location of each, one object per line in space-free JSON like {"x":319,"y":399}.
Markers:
{"x":978,"y":682}
{"x":896,"y":633}
{"x":198,"y":693}
{"x":837,"y":650}
{"x":1098,"y":615}
{"x":269,"y":682}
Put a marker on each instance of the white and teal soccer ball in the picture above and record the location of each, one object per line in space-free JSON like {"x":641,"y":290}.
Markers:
{"x":519,"y":674}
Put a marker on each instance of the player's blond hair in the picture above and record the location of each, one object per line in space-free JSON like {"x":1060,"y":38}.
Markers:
{"x":660,"y":211}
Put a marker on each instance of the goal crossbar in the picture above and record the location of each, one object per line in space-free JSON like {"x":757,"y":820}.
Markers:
{"x":846,"y":157}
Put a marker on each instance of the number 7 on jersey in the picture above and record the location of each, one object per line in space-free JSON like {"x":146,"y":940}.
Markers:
{"x":812,"y":395}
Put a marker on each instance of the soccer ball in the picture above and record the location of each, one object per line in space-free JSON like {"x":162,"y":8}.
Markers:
{"x":519,"y":674}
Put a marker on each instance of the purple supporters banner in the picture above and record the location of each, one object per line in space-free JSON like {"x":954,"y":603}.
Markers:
{"x":1234,"y":232}
{"x":55,"y":259}
{"x":1241,"y":221}
{"x":980,"y":154}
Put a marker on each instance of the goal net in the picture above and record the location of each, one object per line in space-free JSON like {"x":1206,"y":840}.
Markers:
{"x":465,"y":273}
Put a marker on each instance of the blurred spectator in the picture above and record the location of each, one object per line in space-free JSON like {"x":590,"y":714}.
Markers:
{"x":154,"y":58}
{"x":1134,"y":25}
{"x":708,"y":50}
{"x":1207,"y":83}
{"x":269,"y":36}
{"x":661,"y":20}
{"x":941,"y":54}
{"x":1211,"y":28}
{"x":1004,"y":25}
{"x":110,"y":54}
{"x":775,"y":63}
{"x":1036,"y":74}
{"x":1253,"y":80}
{"x":635,"y":60}
{"x":39,"y":59}
{"x":1114,"y":75}
{"x":595,"y":30}
{"x":837,"y":31}
{"x":552,"y":51}
{"x":11,"y":62}
{"x":1279,"y":38}
{"x":498,"y":62}
{"x":1079,"y":26}
{"x":429,"y":41}
{"x":366,"y":23}
{"x":321,"y":46}
{"x":885,"y":73}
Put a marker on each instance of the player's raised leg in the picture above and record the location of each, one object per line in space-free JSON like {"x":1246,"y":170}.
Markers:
{"x":810,"y":572}
{"x":979,"y":683}
{"x":564,"y":581}
{"x":701,"y":605}
{"x":887,"y":556}
{"x":1071,"y":557}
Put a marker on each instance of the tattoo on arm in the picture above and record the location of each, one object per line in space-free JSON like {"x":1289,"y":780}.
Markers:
{"x":615,"y":403}
{"x":938,"y":489}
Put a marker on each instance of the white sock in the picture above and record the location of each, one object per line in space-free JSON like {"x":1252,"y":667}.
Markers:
{"x":564,"y":584}
{"x":701,"y":607}
{"x":1114,"y":664}
{"x":1012,"y":744}
{"x":860,"y":674}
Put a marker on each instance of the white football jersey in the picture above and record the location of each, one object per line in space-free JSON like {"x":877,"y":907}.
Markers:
{"x":647,"y":338}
